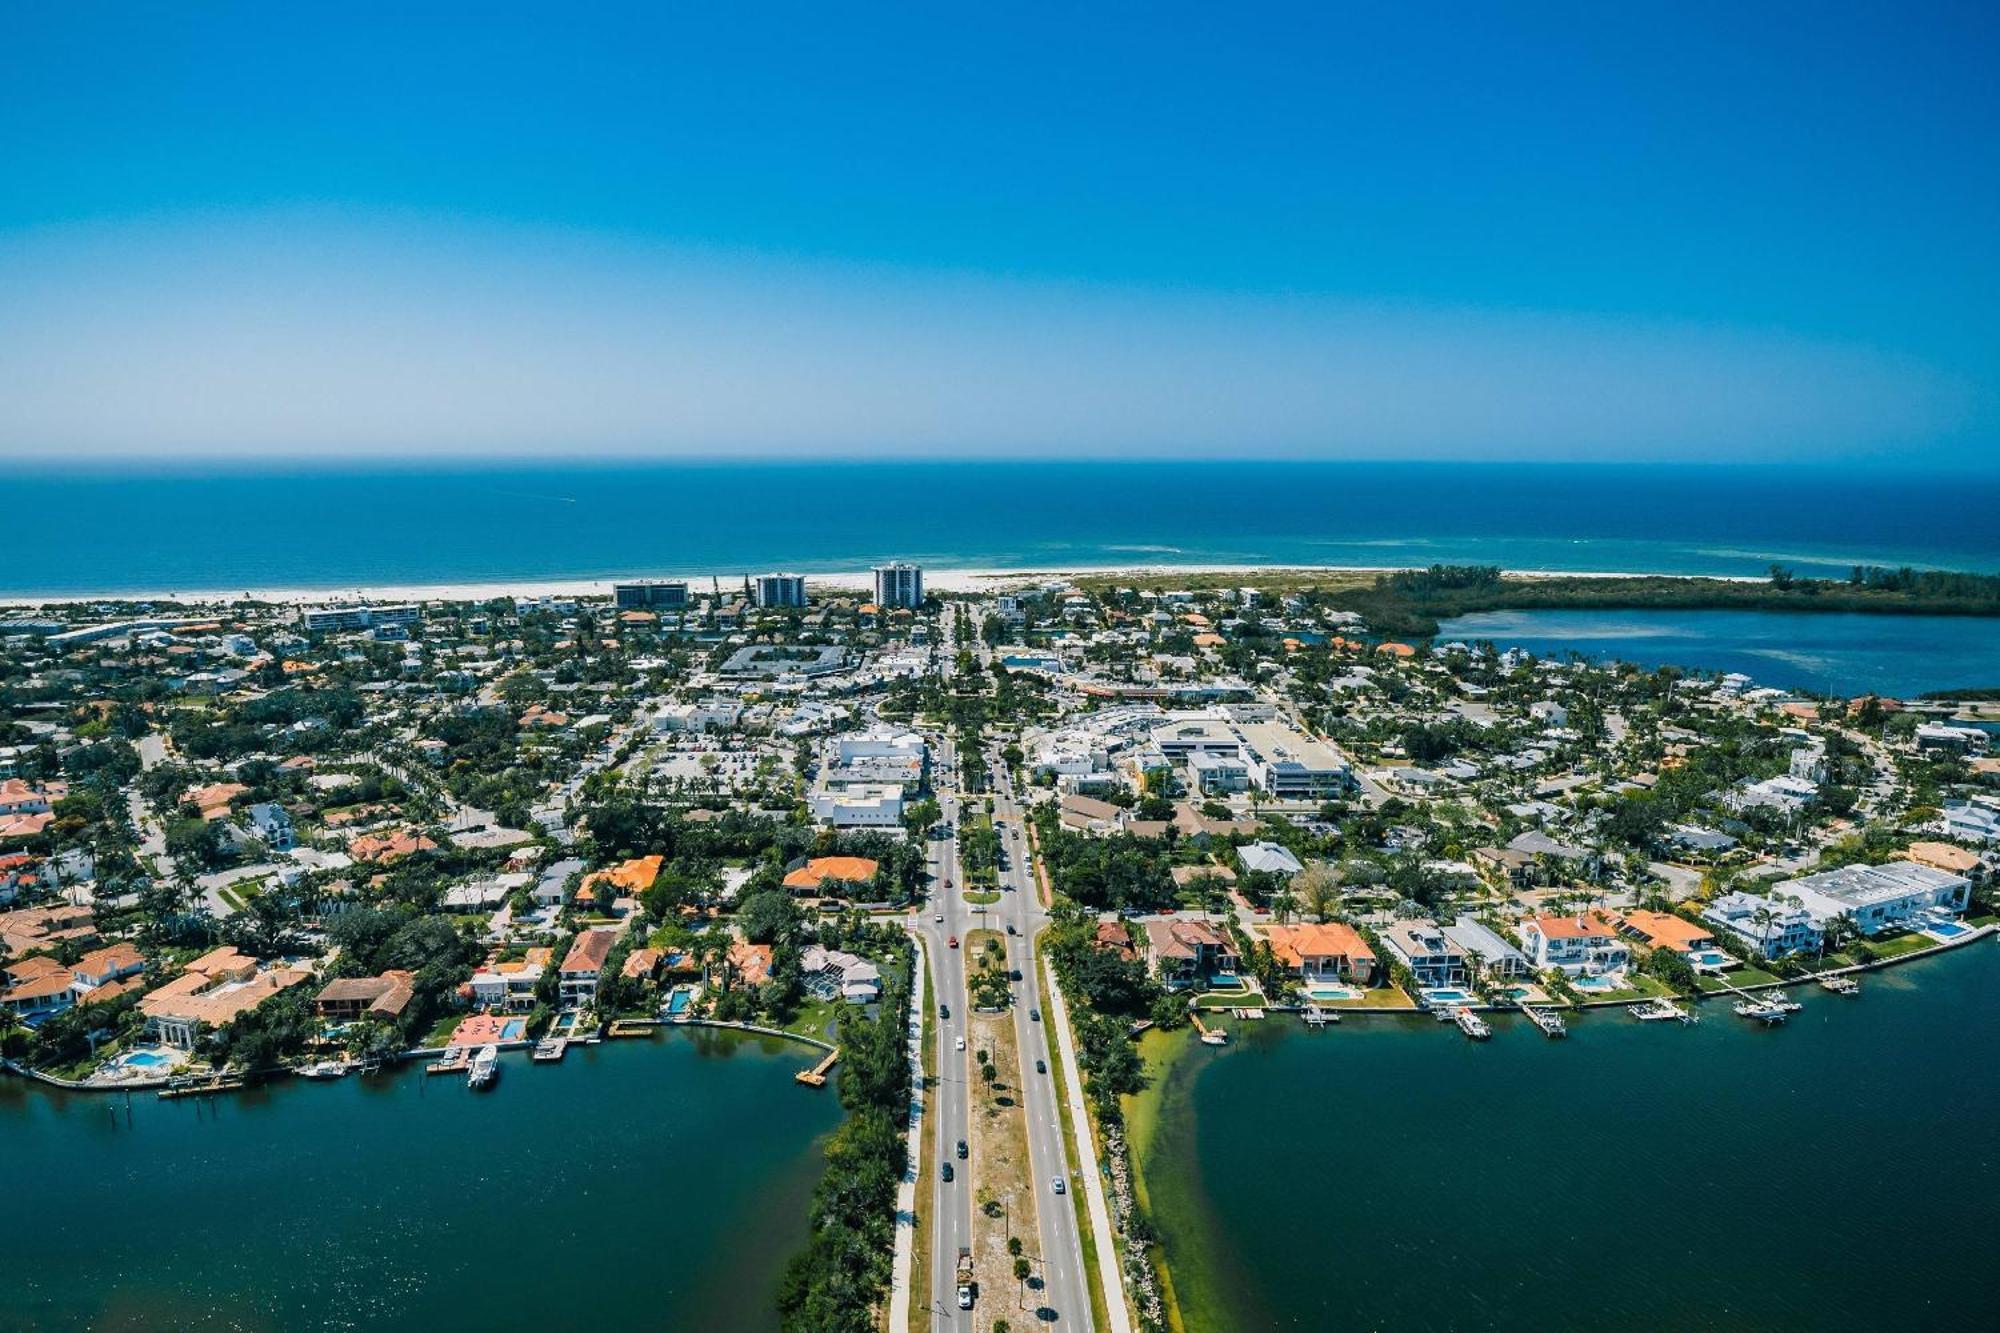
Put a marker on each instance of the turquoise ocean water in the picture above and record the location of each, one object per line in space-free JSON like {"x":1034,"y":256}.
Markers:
{"x":110,"y":529}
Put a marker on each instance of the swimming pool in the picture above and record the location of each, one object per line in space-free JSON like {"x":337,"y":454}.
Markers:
{"x":513,"y":1029}
{"x":1326,"y":993}
{"x":1446,"y":995}
{"x":1594,"y":983}
{"x":145,"y":1059}
{"x":677,"y":1003}
{"x":1949,"y":930}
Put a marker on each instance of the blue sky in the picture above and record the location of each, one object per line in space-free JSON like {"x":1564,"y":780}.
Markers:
{"x":1626,"y":231}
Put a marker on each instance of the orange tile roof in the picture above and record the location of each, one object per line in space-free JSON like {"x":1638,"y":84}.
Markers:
{"x":1663,"y":930}
{"x":1293,"y":944}
{"x":751,"y":961}
{"x":1942,"y":855}
{"x":1396,"y":649}
{"x":1583,"y":927}
{"x":633,"y":876}
{"x":847,"y":869}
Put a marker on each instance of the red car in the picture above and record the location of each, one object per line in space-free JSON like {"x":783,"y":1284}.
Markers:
{"x":953,"y":941}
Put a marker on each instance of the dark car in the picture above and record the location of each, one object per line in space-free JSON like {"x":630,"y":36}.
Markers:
{"x":945,"y":1173}
{"x":1041,"y":1066}
{"x":963,"y":1151}
{"x":1035,"y":1014}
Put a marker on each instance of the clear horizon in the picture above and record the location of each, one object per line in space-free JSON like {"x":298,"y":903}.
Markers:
{"x":1652,"y":235}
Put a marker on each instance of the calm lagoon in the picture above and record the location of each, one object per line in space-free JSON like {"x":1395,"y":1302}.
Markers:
{"x":1895,"y":656}
{"x":1838,"y":1173}
{"x":641,"y":1184}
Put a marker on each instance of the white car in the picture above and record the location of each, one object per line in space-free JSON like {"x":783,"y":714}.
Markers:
{"x":961,"y":1043}
{"x":939,"y":918}
{"x":1060,"y":1187}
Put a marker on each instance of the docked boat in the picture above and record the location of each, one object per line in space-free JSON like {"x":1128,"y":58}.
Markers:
{"x":1760,"y":1011}
{"x":1777,"y":999}
{"x":1471,"y":1024}
{"x":323,"y":1069}
{"x":1840,"y":985}
{"x":485,"y":1067}
{"x":1658,"y":1011}
{"x":1317,"y":1017}
{"x":1547,"y":1020}
{"x":1215,"y":1037}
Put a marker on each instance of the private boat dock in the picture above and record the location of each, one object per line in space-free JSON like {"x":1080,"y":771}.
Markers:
{"x":456,"y":1060}
{"x":1547,"y":1020}
{"x":1761,"y":1010}
{"x":549,"y":1050}
{"x":1840,"y":985}
{"x":1659,"y":1011}
{"x":1210,"y":1036}
{"x":1471,"y":1024}
{"x":816,"y":1076}
{"x":1317,"y":1017}
{"x":196,"y":1085}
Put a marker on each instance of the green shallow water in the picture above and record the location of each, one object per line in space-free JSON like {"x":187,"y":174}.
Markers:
{"x":1839,"y":1173}
{"x":640,"y":1184}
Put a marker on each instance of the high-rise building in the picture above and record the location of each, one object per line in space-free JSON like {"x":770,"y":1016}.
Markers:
{"x":651,"y":594}
{"x":899,"y":584}
{"x":781,"y":590}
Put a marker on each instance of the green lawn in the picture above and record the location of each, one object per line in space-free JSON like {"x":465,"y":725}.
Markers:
{"x":1382,"y":997}
{"x":982,"y":897}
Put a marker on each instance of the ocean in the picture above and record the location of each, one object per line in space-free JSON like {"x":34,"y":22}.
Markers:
{"x":229,"y":528}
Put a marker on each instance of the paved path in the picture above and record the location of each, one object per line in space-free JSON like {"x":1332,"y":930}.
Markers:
{"x":900,"y":1274}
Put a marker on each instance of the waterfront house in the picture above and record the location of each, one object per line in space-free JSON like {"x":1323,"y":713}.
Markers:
{"x":835,"y":974}
{"x":102,"y":967}
{"x":211,"y":992}
{"x":584,"y":965}
{"x":345,"y":999}
{"x":1581,"y":945}
{"x":749,"y":963}
{"x":1771,"y":928}
{"x":1184,"y":953}
{"x":1664,"y":930}
{"x":511,"y":984}
{"x":1876,"y":898}
{"x":1494,"y":956}
{"x":1423,"y":948}
{"x":1326,"y":951}
{"x":37,"y":986}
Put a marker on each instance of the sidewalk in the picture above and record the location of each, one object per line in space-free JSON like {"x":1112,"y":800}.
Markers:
{"x":906,"y":1192}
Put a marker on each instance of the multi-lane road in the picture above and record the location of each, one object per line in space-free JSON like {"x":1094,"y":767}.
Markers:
{"x":1057,"y":1295}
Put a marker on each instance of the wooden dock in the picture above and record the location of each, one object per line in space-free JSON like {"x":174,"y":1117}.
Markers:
{"x":457,"y":1060}
{"x":1209,"y":1035}
{"x":196,"y":1085}
{"x":633,"y":1027}
{"x":549,"y":1050}
{"x":816,"y":1076}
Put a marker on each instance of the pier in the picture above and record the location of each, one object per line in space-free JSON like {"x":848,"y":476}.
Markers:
{"x":1547,"y":1020}
{"x":195,"y":1085}
{"x":1471,"y":1024}
{"x":1210,"y":1036}
{"x":457,"y":1060}
{"x":549,"y":1050}
{"x":1659,"y":1011}
{"x":816,"y":1076}
{"x":1317,"y":1017}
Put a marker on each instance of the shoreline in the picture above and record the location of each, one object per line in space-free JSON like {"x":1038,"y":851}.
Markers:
{"x":969,"y":580}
